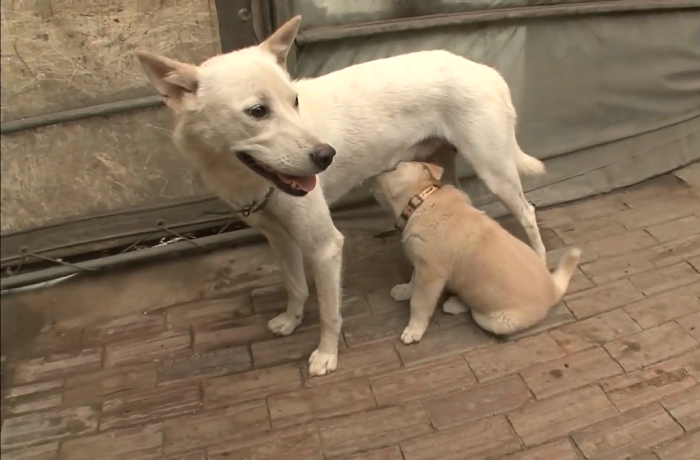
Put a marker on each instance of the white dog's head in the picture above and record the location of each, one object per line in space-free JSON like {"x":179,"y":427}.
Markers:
{"x":244,"y":105}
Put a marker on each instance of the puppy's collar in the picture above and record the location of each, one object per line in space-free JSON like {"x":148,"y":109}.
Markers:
{"x":256,"y":207}
{"x":413,"y":204}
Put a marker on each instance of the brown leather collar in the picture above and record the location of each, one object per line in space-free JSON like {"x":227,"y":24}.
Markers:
{"x":413,"y":204}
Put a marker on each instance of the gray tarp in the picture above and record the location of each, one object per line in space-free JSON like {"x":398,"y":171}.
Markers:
{"x":608,"y":101}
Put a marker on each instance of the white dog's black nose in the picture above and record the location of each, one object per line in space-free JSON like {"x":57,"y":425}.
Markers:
{"x":322,"y":155}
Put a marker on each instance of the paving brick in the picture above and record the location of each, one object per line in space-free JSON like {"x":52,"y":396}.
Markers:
{"x":541,"y":421}
{"x":127,"y":327}
{"x":34,"y":429}
{"x":474,"y":441}
{"x":632,"y":240}
{"x":603,"y":298}
{"x":42,"y":452}
{"x":298,"y":443}
{"x":256,"y":384}
{"x":684,"y":406}
{"x":495,"y":362}
{"x":652,"y":216}
{"x":477,"y":402}
{"x":287,"y":349}
{"x":577,"y":232}
{"x":53,"y":341}
{"x":380,"y":302}
{"x":673,"y":252}
{"x":432,"y":379}
{"x":201,"y":455}
{"x":689,"y":361}
{"x":686,"y":447}
{"x":584,"y":210}
{"x":359,"y":362}
{"x":34,"y":397}
{"x":142,"y":443}
{"x":373,"y":430}
{"x":558,"y":450}
{"x":628,"y":434}
{"x":195,"y":432}
{"x":154,"y":405}
{"x":269,"y":299}
{"x":558,"y":316}
{"x":650,"y":346}
{"x":141,"y":350}
{"x":205,"y":365}
{"x":695,"y":288}
{"x":675,"y":230}
{"x":595,"y":331}
{"x":665,"y":279}
{"x":445,"y":342}
{"x":57,"y":366}
{"x":604,"y":271}
{"x":95,"y":387}
{"x":390,"y":453}
{"x":230,"y":332}
{"x":695,"y":262}
{"x":662,"y":308}
{"x":691,"y":324}
{"x":376,"y":328}
{"x":567,"y":373}
{"x":644,"y":386}
{"x":183,"y":316}
{"x":320,"y":402}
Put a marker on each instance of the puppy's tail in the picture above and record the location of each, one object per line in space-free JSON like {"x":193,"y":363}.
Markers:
{"x":565,"y":270}
{"x":526,"y":164}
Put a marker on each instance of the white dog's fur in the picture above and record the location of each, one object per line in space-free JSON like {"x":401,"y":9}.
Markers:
{"x":376,"y":114}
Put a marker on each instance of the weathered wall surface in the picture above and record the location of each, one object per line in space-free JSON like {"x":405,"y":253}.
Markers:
{"x":65,"y":54}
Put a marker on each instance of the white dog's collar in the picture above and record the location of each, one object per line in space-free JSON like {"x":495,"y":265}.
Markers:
{"x":256,"y":207}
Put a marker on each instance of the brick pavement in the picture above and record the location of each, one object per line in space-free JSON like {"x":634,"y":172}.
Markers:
{"x":612,"y":373}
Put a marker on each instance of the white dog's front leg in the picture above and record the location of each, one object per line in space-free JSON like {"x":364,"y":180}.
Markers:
{"x":291,"y":262}
{"x":327,"y":263}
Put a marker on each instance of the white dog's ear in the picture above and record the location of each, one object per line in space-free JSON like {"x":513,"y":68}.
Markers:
{"x":280,"y":43}
{"x":172,"y":79}
{"x":435,"y":170}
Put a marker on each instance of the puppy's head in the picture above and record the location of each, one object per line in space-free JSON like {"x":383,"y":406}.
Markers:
{"x":407,"y":179}
{"x":243,"y":105}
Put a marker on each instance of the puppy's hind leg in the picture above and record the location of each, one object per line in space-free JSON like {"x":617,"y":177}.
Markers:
{"x":402,"y":292}
{"x":291,"y":262}
{"x":427,"y":288}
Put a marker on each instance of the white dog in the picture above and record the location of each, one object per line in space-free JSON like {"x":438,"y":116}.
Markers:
{"x":258,"y":139}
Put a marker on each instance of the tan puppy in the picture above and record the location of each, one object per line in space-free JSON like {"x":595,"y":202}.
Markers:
{"x":452,"y":244}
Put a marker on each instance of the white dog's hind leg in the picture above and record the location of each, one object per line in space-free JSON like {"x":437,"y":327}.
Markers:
{"x":326,"y":262}
{"x":291,"y":262}
{"x":427,"y":288}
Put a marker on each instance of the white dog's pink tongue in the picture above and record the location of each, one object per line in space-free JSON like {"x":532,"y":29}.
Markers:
{"x":305,"y":183}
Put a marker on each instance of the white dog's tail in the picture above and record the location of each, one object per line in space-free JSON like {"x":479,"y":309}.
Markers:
{"x":527,"y":165}
{"x":565,"y":270}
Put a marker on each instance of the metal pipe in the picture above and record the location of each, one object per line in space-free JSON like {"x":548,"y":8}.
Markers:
{"x":80,"y":114}
{"x":331,"y":33}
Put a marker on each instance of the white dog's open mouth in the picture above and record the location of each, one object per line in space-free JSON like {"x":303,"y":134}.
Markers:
{"x":292,"y":185}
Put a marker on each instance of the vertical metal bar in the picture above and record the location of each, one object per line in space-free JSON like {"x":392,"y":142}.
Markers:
{"x":236,"y":29}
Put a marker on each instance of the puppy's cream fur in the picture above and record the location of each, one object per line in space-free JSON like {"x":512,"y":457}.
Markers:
{"x":431,"y":104}
{"x":455,"y":246}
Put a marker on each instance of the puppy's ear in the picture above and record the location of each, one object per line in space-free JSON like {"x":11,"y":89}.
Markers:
{"x":172,"y":79}
{"x":280,"y":43}
{"x":435,"y":170}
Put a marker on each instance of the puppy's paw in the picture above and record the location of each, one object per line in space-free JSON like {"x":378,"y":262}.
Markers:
{"x":454,"y":306}
{"x":283,"y":324}
{"x":401,"y":292}
{"x":412,"y":334}
{"x":322,"y":363}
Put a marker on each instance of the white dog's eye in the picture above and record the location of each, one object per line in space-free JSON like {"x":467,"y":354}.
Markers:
{"x":258,"y":111}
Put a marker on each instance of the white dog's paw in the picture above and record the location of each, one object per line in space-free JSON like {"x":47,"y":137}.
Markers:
{"x":283,"y":324}
{"x":322,"y":363}
{"x":412,"y":334}
{"x":454,"y":306}
{"x":401,"y":292}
